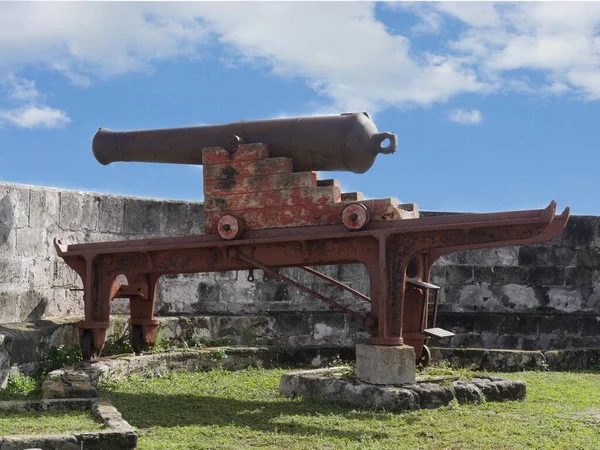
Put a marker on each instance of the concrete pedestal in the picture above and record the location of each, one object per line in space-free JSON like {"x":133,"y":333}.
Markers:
{"x":383,"y":364}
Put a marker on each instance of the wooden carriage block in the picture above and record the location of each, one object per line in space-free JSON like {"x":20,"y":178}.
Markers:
{"x":352,"y":196}
{"x":329,"y":182}
{"x":236,"y":185}
{"x":382,"y":209}
{"x":245,"y":152}
{"x":239,"y":169}
{"x":273,"y":198}
{"x":303,"y":215}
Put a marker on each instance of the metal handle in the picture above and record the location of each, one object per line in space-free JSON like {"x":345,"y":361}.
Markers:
{"x":378,"y":139}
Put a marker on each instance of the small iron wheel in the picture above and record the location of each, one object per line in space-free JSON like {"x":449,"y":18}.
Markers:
{"x":86,"y":341}
{"x":138,"y":341}
{"x":230,"y":227}
{"x":355,"y":216}
{"x":425,"y":358}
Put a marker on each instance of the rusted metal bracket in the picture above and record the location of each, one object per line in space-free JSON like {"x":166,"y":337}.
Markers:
{"x":336,"y":283}
{"x":365,"y":318}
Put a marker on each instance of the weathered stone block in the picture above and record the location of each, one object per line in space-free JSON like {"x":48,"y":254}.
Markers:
{"x":432,"y":395}
{"x":565,"y":299}
{"x":14,"y":206}
{"x":32,"y":242}
{"x":143,"y":217}
{"x":588,"y":257}
{"x":8,"y":240}
{"x":13,"y":272}
{"x":517,"y":297}
{"x":68,"y":388}
{"x":9,"y":304}
{"x":78,"y":211}
{"x":501,"y":275}
{"x":579,"y":276}
{"x":459,"y":274}
{"x":44,"y":210}
{"x":503,"y":256}
{"x":110,"y":214}
{"x":476,"y":297}
{"x":579,"y":231}
{"x":496,"y":389}
{"x":196,"y":213}
{"x":512,"y":361}
{"x":178,"y":221}
{"x":383,"y":364}
{"x":40,"y":272}
{"x":329,"y":329}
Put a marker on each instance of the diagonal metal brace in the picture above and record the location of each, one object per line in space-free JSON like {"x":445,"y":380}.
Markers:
{"x":303,"y":288}
{"x":336,"y":283}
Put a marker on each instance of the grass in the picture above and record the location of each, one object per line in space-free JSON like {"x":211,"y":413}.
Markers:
{"x":21,"y":387}
{"x":244,"y":409}
{"x":47,"y":422}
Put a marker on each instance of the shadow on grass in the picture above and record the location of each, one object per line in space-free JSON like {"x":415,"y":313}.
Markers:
{"x":155,"y":410}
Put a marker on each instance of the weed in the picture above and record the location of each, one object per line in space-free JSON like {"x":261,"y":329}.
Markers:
{"x":61,"y":356}
{"x":218,"y":355}
{"x":19,"y":387}
{"x":118,"y":346}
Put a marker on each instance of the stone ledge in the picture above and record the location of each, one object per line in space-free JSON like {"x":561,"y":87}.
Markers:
{"x":117,"y":433}
{"x":336,"y":385}
{"x":228,"y":358}
{"x":518,"y":360}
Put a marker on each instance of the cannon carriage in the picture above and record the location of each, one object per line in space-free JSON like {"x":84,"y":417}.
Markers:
{"x":266,"y":209}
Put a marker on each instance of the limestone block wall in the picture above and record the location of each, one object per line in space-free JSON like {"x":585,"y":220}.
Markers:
{"x":34,"y":283}
{"x":531,"y":297}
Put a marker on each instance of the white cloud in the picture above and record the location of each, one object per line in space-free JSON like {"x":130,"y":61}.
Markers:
{"x":557,"y":42}
{"x":35,"y":117}
{"x":85,"y":41}
{"x":28,"y":108}
{"x":340,"y":49}
{"x":21,"y":89}
{"x":465,"y":117}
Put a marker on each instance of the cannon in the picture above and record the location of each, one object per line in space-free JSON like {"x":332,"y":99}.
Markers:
{"x":265,"y":209}
{"x":346,"y":142}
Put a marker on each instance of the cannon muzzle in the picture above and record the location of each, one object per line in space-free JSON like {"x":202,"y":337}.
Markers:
{"x":348,"y":142}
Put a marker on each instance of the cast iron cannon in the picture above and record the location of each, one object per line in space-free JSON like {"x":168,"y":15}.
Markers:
{"x":348,"y":142}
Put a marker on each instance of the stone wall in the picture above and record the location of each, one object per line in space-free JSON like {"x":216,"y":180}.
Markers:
{"x":533,"y":297}
{"x":34,"y":283}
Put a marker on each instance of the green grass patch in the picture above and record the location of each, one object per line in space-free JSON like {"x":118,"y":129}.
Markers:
{"x":244,"y":409}
{"x":20,"y":387}
{"x":47,"y":422}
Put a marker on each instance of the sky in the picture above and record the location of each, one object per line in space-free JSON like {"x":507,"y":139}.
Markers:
{"x":495,"y":105}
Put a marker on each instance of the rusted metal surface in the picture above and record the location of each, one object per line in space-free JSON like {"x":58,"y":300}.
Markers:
{"x":230,"y":227}
{"x":347,"y":142}
{"x":355,"y":216}
{"x":385,"y":248}
{"x":336,"y":283}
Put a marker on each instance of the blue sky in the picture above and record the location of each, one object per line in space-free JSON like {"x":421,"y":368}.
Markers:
{"x":495,"y":105}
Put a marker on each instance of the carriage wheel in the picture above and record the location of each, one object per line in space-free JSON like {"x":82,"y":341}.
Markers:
{"x":355,"y":216}
{"x":425,"y":358}
{"x":230,"y":227}
{"x":138,"y":340}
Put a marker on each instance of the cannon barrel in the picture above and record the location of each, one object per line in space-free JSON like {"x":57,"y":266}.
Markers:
{"x":347,"y":142}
